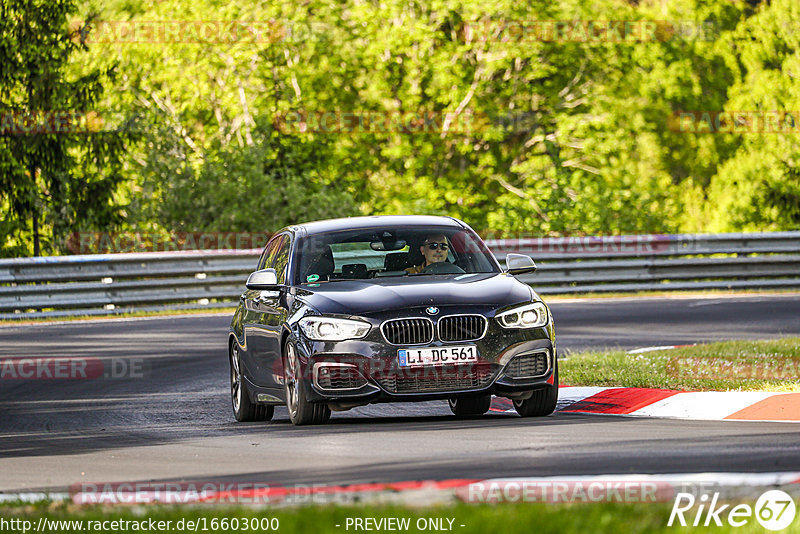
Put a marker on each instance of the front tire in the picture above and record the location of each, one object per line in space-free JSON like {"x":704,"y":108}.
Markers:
{"x":542,"y":402}
{"x":243,"y":408}
{"x":301,"y":411}
{"x":464,"y":406}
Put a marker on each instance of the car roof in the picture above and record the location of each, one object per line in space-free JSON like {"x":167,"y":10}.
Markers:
{"x":378,"y":221}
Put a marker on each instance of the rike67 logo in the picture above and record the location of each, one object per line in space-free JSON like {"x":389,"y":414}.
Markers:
{"x":774,"y":510}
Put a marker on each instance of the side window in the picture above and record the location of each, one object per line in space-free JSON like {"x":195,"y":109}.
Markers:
{"x":281,"y":259}
{"x":269,"y":250}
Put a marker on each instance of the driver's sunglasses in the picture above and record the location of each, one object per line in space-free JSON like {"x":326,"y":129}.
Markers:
{"x":436,"y":246}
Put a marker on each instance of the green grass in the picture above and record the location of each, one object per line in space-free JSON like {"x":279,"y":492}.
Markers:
{"x":772,"y":365}
{"x":477,"y":519}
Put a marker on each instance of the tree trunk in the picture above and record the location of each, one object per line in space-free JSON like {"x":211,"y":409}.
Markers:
{"x":34,"y":211}
{"x":35,"y":233}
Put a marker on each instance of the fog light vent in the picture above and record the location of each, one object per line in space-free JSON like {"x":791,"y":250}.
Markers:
{"x":337,"y":376}
{"x":528,"y":365}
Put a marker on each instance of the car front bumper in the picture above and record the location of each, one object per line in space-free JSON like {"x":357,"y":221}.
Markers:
{"x":511,"y":363}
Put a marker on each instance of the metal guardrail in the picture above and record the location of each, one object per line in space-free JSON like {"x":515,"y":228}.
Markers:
{"x":110,"y":283}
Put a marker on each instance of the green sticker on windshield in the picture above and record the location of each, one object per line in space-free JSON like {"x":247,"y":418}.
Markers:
{"x":312,"y":278}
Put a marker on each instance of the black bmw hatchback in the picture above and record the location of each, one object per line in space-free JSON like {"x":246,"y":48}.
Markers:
{"x":347,"y":312}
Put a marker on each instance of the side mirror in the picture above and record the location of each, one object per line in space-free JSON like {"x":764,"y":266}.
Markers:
{"x":263,"y":279}
{"x":519,"y":264}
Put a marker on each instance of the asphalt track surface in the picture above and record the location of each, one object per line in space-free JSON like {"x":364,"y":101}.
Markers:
{"x":174,"y":423}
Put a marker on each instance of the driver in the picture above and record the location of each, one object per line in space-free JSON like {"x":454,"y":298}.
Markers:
{"x":434,"y":250}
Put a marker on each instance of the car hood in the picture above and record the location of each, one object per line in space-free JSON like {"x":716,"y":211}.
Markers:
{"x":360,"y":297}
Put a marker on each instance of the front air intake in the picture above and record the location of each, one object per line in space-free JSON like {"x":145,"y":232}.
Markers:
{"x":530,"y":365}
{"x":333,"y":376}
{"x":408,"y":331}
{"x":462,"y":327}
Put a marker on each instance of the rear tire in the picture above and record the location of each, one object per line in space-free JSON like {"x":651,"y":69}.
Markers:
{"x":463,"y":406}
{"x":243,"y":408}
{"x":542,"y":402}
{"x":301,"y":411}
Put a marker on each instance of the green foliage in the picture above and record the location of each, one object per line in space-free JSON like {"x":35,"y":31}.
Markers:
{"x":264,"y":185}
{"x":210,"y":158}
{"x":549,"y":137}
{"x":758,"y":187}
{"x":58,"y":181}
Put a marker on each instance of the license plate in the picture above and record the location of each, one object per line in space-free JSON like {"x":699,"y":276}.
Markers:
{"x":437,"y":356}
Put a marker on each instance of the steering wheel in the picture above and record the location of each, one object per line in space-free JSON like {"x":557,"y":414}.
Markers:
{"x":443,"y":267}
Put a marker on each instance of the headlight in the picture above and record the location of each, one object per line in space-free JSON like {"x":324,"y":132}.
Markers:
{"x":333,"y":329}
{"x":527,"y":316}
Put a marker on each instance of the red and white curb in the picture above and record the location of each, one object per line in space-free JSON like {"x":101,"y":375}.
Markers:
{"x":556,"y":489}
{"x":702,"y":405}
{"x":647,"y":402}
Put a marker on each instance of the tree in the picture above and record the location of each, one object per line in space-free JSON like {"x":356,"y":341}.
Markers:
{"x":572,"y":135}
{"x":758,"y":188}
{"x":59,"y":162}
{"x":210,"y":158}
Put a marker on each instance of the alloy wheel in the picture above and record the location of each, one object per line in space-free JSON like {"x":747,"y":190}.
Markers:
{"x":292,"y":381}
{"x":236,"y":379}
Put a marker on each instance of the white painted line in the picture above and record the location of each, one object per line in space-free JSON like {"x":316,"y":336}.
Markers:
{"x":652,"y":349}
{"x":600,"y":299}
{"x":438,"y":490}
{"x":101,"y":320}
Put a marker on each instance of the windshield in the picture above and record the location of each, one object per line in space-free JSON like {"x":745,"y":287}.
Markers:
{"x":391,"y":252}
